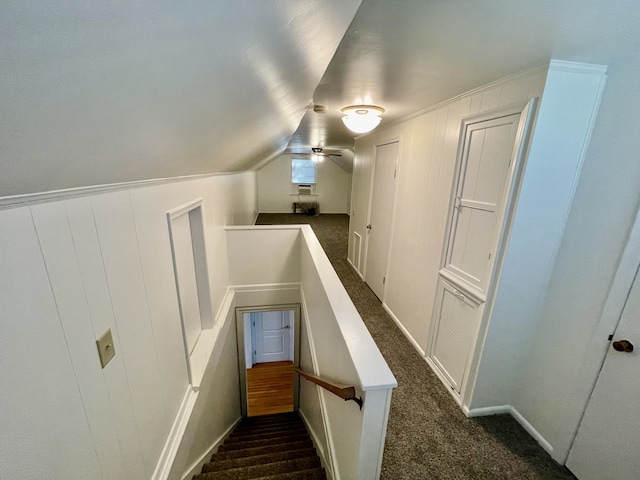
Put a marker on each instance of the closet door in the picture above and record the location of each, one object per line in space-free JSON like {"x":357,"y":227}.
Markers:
{"x":489,"y":148}
{"x":483,"y":175}
{"x":381,"y":216}
{"x":457,"y":322}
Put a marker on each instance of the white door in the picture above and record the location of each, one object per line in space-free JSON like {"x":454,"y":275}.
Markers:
{"x":456,"y":328}
{"x":483,"y":180}
{"x":607,"y":446}
{"x":271,"y":332}
{"x":379,"y":228}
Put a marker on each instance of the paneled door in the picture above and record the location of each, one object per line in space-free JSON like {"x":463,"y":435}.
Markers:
{"x":482,"y":182}
{"x":488,"y":153}
{"x":380,"y":217}
{"x":607,"y":446}
{"x":271,"y":333}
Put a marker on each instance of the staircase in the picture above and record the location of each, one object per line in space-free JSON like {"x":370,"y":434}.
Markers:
{"x":271,"y":447}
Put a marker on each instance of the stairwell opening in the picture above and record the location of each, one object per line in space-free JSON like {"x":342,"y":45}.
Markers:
{"x":268,"y":352}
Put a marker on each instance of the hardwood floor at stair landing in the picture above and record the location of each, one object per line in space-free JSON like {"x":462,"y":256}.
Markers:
{"x":273,"y":447}
{"x":270,"y":388}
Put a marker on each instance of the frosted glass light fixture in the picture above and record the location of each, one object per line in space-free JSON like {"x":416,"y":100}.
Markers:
{"x":362,"y":118}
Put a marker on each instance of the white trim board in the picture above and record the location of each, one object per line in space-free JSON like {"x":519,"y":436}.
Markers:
{"x":318,"y":446}
{"x":171,"y":446}
{"x":15,"y":201}
{"x":355,"y":269}
{"x":501,"y":409}
{"x":330,"y":453}
{"x":196,"y":468}
{"x":404,"y":331}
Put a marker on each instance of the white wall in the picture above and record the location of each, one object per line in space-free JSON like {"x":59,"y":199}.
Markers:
{"x":557,"y":357}
{"x":428,"y":148}
{"x":217,"y":407}
{"x":334,"y":342}
{"x":274,"y":187}
{"x":72,"y":269}
{"x":264,"y":255}
{"x":552,"y":387}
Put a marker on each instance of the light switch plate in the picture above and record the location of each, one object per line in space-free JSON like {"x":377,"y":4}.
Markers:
{"x":106,"y":349}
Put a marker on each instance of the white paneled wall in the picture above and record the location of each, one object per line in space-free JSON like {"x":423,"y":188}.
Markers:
{"x":429,"y":144}
{"x":274,"y":187}
{"x":71,"y":269}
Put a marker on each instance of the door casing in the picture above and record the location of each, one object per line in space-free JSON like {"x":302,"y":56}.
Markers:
{"x":245,"y":355}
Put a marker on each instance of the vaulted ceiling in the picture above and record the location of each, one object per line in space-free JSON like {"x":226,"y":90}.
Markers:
{"x":96,"y":92}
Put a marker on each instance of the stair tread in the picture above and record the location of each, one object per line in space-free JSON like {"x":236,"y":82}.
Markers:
{"x":270,"y":447}
{"x":311,"y":474}
{"x":270,"y":457}
{"x":264,"y":470}
{"x":264,"y":435}
{"x":225,"y":447}
{"x":247,"y":452}
{"x":275,"y":418}
{"x":273,"y":427}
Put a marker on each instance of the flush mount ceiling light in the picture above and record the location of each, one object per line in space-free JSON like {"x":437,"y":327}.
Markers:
{"x":362,"y":118}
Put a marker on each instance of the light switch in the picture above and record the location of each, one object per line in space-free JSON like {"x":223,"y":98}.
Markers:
{"x":106,"y":349}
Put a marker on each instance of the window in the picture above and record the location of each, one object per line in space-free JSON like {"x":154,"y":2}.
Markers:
{"x":303,"y":171}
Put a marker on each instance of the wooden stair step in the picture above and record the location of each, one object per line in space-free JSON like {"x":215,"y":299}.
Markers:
{"x":265,"y":470}
{"x":248,"y":452}
{"x":258,"y":459}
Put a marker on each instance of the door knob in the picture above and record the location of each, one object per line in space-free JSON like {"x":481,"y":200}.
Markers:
{"x":287,"y":326}
{"x":623,"y":346}
{"x":369,"y":227}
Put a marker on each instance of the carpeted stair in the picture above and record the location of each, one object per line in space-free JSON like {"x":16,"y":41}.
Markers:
{"x":271,"y":447}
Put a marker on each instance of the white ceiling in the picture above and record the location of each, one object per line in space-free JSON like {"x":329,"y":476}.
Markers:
{"x":93,"y":92}
{"x":409,"y":55}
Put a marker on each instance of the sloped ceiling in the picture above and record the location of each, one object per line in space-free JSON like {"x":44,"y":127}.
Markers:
{"x":412,"y":54}
{"x":97,"y":92}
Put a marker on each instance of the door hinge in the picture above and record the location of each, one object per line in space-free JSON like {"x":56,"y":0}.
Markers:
{"x":384,"y":279}
{"x":254,"y":323}
{"x":610,"y":337}
{"x":254,"y":352}
{"x":395,"y":172}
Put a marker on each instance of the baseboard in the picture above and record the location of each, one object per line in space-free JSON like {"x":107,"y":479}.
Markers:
{"x":318,"y":446}
{"x":196,"y":468}
{"x":501,"y":409}
{"x":486,"y":411}
{"x":532,"y":431}
{"x":170,"y":449}
{"x":355,"y":269}
{"x":404,"y":331}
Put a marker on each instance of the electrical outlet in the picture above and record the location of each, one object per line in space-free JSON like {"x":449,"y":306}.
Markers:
{"x":106,"y":349}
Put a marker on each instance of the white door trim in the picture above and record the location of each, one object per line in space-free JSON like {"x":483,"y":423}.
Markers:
{"x":243,"y":329}
{"x":396,"y":139}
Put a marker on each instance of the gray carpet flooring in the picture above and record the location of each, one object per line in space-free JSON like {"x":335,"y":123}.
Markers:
{"x":428,"y":436}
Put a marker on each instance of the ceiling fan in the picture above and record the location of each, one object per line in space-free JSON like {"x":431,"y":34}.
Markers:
{"x":319,"y":151}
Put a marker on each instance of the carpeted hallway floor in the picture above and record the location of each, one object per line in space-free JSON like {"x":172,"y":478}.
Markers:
{"x":428,"y":436}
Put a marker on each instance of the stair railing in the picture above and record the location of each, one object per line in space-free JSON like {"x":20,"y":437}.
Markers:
{"x":343,"y":391}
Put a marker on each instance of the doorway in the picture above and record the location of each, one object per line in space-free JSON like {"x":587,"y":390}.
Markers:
{"x":268,"y":352}
{"x":381,"y":216}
